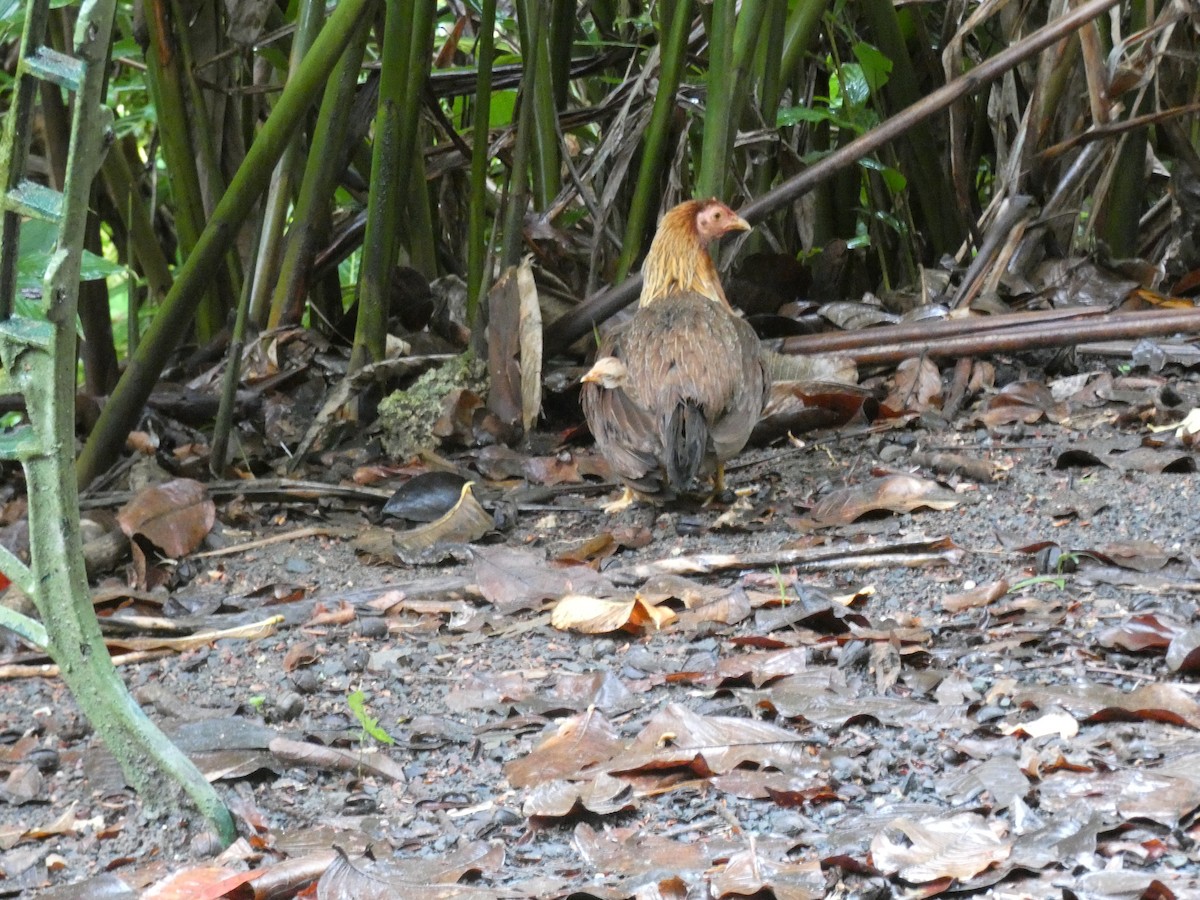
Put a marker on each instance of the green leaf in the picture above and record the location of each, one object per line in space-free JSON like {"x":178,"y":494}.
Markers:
{"x":33,"y":256}
{"x":792,"y":115}
{"x":358,"y":705}
{"x":856,"y":90}
{"x":895,"y":181}
{"x":875,"y":67}
{"x":500,"y":111}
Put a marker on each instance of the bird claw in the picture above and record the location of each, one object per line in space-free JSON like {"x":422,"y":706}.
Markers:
{"x":622,"y":503}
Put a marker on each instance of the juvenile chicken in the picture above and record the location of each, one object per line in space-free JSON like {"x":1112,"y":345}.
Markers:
{"x":677,"y":391}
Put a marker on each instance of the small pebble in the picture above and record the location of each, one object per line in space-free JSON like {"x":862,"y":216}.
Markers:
{"x":288,"y":707}
{"x":296,"y":566}
{"x":306,"y":681}
{"x":372,"y":627}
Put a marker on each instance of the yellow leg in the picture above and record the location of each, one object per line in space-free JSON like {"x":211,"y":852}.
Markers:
{"x":622,"y":503}
{"x":719,"y":479}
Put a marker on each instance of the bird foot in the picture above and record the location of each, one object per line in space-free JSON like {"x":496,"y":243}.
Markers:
{"x":723,"y":497}
{"x":622,"y":503}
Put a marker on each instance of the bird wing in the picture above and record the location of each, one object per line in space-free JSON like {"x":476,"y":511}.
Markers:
{"x":679,"y":350}
{"x":731,"y":430}
{"x":686,"y":353}
{"x":627,"y":436}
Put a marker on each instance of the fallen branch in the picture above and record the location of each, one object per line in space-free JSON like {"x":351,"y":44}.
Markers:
{"x":891,"y":344}
{"x":885,"y":335}
{"x":940,"y":551}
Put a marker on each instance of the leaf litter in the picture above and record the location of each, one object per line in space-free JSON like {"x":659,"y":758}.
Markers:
{"x":908,"y":659}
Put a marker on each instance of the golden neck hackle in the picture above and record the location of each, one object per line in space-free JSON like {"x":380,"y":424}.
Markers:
{"x":678,"y":260}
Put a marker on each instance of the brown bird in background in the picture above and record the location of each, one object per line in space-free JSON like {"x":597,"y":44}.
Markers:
{"x":676,"y":391}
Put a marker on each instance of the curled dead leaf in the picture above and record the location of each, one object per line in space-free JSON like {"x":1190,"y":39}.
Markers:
{"x":466,"y":522}
{"x":597,"y":615}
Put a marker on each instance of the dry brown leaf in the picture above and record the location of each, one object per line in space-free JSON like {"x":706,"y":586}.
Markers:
{"x":894,"y":493}
{"x":710,"y":745}
{"x":369,"y":878}
{"x":466,"y":522}
{"x":175,"y":517}
{"x":603,"y":795}
{"x":629,"y":851}
{"x":579,"y":743}
{"x":516,"y":579}
{"x":552,"y":470}
{"x":300,"y":654}
{"x":749,"y":873}
{"x":598,"y":615}
{"x":917,"y":387}
{"x":976,"y":596}
{"x":958,"y":847}
{"x":530,"y":332}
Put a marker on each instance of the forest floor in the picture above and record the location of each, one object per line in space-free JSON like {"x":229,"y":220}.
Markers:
{"x":916,"y":657}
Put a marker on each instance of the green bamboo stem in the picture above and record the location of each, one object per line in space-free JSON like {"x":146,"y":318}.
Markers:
{"x":204,"y":125}
{"x":311,"y":216}
{"x":279,"y":197}
{"x":747,"y":39}
{"x":119,"y":182}
{"x":719,"y":98}
{"x":166,"y":90}
{"x":772,"y":81}
{"x":218,"y":458}
{"x":562,"y":39}
{"x":97,"y":351}
{"x":408,"y":34}
{"x":646,"y":192}
{"x":422,"y":250}
{"x":802,"y":24}
{"x":535,"y":51}
{"x":518,"y":183}
{"x":383,"y":201}
{"x":480,"y":157}
{"x":940,"y":219}
{"x":167,"y":83}
{"x":121,"y":413}
{"x":419,"y":234}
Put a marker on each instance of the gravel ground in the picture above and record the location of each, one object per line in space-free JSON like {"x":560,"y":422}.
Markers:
{"x":924,"y":734}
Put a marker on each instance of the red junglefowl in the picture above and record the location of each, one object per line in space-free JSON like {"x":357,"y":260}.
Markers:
{"x":676,"y":391}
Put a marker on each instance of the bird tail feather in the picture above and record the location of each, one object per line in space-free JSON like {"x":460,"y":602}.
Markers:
{"x":687,"y":438}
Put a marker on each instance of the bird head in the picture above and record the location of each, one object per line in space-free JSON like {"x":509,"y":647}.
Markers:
{"x":608,"y":372}
{"x":714,"y":220}
{"x":678,"y":260}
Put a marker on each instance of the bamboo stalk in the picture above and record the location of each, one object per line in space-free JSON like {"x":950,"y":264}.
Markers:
{"x":838,"y":341}
{"x":210,"y":316}
{"x":518,"y":183}
{"x":646,"y":195}
{"x":718,"y":108}
{"x":391,"y":152}
{"x":123,"y":409}
{"x":940,"y":218}
{"x":477,"y":223}
{"x":119,"y":182}
{"x":535,"y":50}
{"x":803,"y":21}
{"x":310,"y":218}
{"x":266,"y":273}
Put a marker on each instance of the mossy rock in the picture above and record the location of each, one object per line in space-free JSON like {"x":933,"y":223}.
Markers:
{"x":407,"y":417}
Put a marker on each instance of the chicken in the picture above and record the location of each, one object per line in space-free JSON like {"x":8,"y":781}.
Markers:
{"x":676,"y":391}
